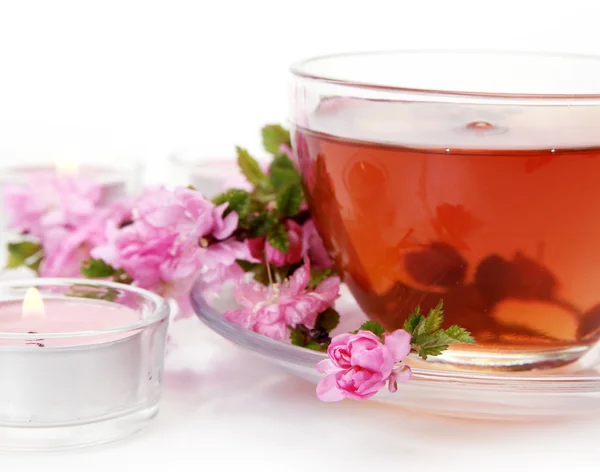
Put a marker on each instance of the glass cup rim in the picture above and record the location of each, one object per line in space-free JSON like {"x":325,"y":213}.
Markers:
{"x":161,"y":307}
{"x":302,"y":70}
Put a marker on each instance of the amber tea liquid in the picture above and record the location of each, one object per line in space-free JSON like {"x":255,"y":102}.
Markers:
{"x":509,"y":238}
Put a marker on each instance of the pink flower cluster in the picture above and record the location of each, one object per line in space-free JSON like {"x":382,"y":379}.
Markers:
{"x":162,"y":239}
{"x":169,"y":236}
{"x":360,"y":365}
{"x":271,"y":310}
{"x":51,"y":209}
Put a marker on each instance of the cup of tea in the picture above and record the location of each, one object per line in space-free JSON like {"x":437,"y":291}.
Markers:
{"x":467,"y":177}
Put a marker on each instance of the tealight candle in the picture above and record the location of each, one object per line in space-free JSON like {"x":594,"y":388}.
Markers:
{"x":80,"y":361}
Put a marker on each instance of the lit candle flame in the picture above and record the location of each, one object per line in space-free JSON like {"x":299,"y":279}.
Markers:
{"x":33,"y":305}
{"x":67,"y":168}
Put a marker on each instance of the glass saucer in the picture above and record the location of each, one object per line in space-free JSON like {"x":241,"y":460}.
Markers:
{"x":566,"y":392}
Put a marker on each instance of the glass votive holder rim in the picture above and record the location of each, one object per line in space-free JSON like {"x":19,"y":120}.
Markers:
{"x":160,"y":307}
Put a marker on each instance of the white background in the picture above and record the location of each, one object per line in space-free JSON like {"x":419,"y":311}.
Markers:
{"x":149,"y":77}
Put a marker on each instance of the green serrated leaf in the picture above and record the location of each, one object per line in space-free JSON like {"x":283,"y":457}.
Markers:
{"x":250,"y":168}
{"x":297,"y":337}
{"x":435,"y":318}
{"x":328,"y":320}
{"x":413,"y":322}
{"x":278,"y":238}
{"x":260,"y":225}
{"x":96,"y":269}
{"x":238,"y":200}
{"x":289,"y":199}
{"x":281,"y":161}
{"x":425,"y":352}
{"x":318,"y":275}
{"x":459,"y":335}
{"x":372,"y":326}
{"x":429,"y":345}
{"x":281,"y":176}
{"x":273,"y":137}
{"x":316,"y":346}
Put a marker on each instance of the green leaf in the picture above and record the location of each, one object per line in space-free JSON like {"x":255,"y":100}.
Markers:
{"x":96,"y":269}
{"x":250,"y":167}
{"x":429,"y":345}
{"x":260,"y":225}
{"x":316,"y":346}
{"x":122,"y":277}
{"x":289,"y":199}
{"x":19,"y":253}
{"x":328,"y":320}
{"x":414,"y":321}
{"x":261,"y":275}
{"x":433,"y":344}
{"x":280,"y":177}
{"x":435,"y":318}
{"x":318,"y":275}
{"x":297,"y":337}
{"x":374,"y":327}
{"x":35,"y":265}
{"x":273,"y":137}
{"x":238,"y":200}
{"x":14,"y":261}
{"x":281,"y":161}
{"x":278,"y":238}
{"x":459,"y":334}
{"x":246,"y":265}
{"x":24,"y":249}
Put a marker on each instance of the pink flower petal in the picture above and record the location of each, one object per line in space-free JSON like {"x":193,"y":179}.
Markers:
{"x":401,"y":374}
{"x":300,"y":278}
{"x":398,"y":344}
{"x":327,"y":366}
{"x":328,"y":391}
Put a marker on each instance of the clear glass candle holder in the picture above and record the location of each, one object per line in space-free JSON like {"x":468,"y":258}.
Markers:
{"x":81,"y":361}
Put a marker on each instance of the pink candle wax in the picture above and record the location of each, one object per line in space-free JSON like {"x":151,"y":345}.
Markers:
{"x":65,"y":316}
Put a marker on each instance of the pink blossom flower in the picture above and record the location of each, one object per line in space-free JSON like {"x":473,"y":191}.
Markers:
{"x":270,"y":310}
{"x":66,"y":249}
{"x":220,"y":263}
{"x":49,"y":201}
{"x":261,"y":249}
{"x":163,"y":243}
{"x":360,"y":365}
{"x":314,"y":248}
